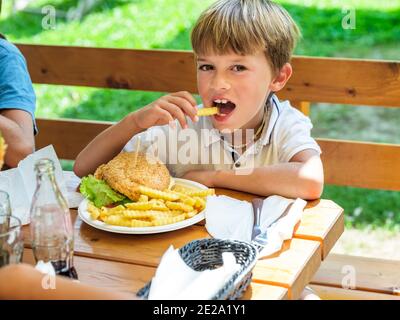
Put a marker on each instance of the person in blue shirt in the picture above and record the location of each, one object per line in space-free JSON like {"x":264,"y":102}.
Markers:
{"x":17,"y":104}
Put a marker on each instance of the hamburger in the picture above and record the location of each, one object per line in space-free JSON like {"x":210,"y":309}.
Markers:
{"x":118,"y":181}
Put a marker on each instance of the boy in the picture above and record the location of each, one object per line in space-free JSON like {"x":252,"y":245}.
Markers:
{"x":242,"y":49}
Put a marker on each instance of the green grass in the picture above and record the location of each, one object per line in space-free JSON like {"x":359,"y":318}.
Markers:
{"x":367,"y":208}
{"x":150,"y":24}
{"x":375,"y":124}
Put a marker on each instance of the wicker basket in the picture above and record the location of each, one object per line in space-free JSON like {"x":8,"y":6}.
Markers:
{"x":206,"y":254}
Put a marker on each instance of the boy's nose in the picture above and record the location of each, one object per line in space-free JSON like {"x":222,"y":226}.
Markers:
{"x":219,"y":82}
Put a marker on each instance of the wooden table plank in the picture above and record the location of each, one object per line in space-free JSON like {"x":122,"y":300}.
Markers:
{"x":332,"y":293}
{"x":260,"y":291}
{"x":322,"y":221}
{"x":129,"y":278}
{"x":292,"y":268}
{"x":116,"y":276}
{"x":284,"y":274}
{"x":370,"y":274}
{"x":300,"y":257}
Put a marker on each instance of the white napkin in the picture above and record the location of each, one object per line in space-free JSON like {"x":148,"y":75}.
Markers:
{"x":229,"y":218}
{"x":45,"y":268}
{"x":72,"y":181}
{"x":20,"y":182}
{"x":175,"y":280}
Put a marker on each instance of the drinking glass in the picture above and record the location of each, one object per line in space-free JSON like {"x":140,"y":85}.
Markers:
{"x":11,"y":240}
{"x":5,"y":207}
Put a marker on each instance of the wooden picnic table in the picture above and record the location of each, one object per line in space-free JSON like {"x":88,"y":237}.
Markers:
{"x":127,"y":262}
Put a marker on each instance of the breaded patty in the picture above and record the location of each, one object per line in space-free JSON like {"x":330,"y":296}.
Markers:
{"x":124,"y":176}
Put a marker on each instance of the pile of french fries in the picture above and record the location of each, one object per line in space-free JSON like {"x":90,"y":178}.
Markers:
{"x":154,"y":207}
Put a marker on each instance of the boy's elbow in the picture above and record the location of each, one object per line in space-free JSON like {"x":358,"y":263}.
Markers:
{"x":18,"y":153}
{"x":27,"y":149}
{"x":313,"y":190}
{"x":81,"y":167}
{"x":78,"y":170}
{"x":311,"y":176}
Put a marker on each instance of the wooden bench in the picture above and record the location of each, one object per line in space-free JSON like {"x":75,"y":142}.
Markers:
{"x":342,"y":81}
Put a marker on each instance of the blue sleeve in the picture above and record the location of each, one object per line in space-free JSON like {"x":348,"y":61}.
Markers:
{"x":16,"y":90}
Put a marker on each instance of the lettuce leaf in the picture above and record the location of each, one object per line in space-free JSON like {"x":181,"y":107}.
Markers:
{"x":99,"y":192}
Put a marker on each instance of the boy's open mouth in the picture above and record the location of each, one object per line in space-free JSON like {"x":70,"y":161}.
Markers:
{"x":225,"y":108}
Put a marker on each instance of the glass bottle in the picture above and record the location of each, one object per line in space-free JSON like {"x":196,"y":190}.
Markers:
{"x":51,"y":227}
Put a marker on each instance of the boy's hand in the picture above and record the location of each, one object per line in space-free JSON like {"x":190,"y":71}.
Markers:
{"x":166,"y":109}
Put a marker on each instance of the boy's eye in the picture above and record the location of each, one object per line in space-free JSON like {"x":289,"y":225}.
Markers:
{"x":205,"y":67}
{"x":238,"y":67}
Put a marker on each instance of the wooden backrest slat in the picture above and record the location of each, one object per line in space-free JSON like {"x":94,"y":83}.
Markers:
{"x":149,"y":70}
{"x":358,"y":164}
{"x":361,"y":164}
{"x":346,"y":81}
{"x":68,"y":137}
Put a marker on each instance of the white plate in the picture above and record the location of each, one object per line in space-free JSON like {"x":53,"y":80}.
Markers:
{"x":85,"y":216}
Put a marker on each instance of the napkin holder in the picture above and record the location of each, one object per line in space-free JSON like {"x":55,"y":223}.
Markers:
{"x":206,"y":254}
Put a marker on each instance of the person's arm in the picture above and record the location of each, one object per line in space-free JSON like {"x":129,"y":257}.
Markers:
{"x":23,"y":282}
{"x":105,"y":146}
{"x":17,"y":129}
{"x":302,"y":177}
{"x":112,"y":140}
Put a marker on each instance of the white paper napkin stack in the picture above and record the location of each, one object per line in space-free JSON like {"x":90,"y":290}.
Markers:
{"x":20,"y":183}
{"x":175,"y":280}
{"x":229,"y":218}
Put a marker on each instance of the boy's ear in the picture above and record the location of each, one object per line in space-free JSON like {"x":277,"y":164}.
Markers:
{"x":281,"y":78}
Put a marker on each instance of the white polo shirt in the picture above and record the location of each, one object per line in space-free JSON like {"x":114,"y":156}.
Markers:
{"x":201,"y":147}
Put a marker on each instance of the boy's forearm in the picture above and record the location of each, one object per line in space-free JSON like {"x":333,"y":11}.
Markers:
{"x":106,"y":146}
{"x":19,"y":143}
{"x":283,"y":179}
{"x":24,"y":282}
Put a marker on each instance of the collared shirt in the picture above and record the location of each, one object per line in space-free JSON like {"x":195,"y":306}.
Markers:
{"x":202,"y":147}
{"x":16,"y":90}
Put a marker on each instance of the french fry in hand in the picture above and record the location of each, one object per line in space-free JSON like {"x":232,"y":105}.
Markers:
{"x":207,"y":111}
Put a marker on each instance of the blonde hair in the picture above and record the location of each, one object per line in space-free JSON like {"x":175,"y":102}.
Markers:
{"x":245,"y":27}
